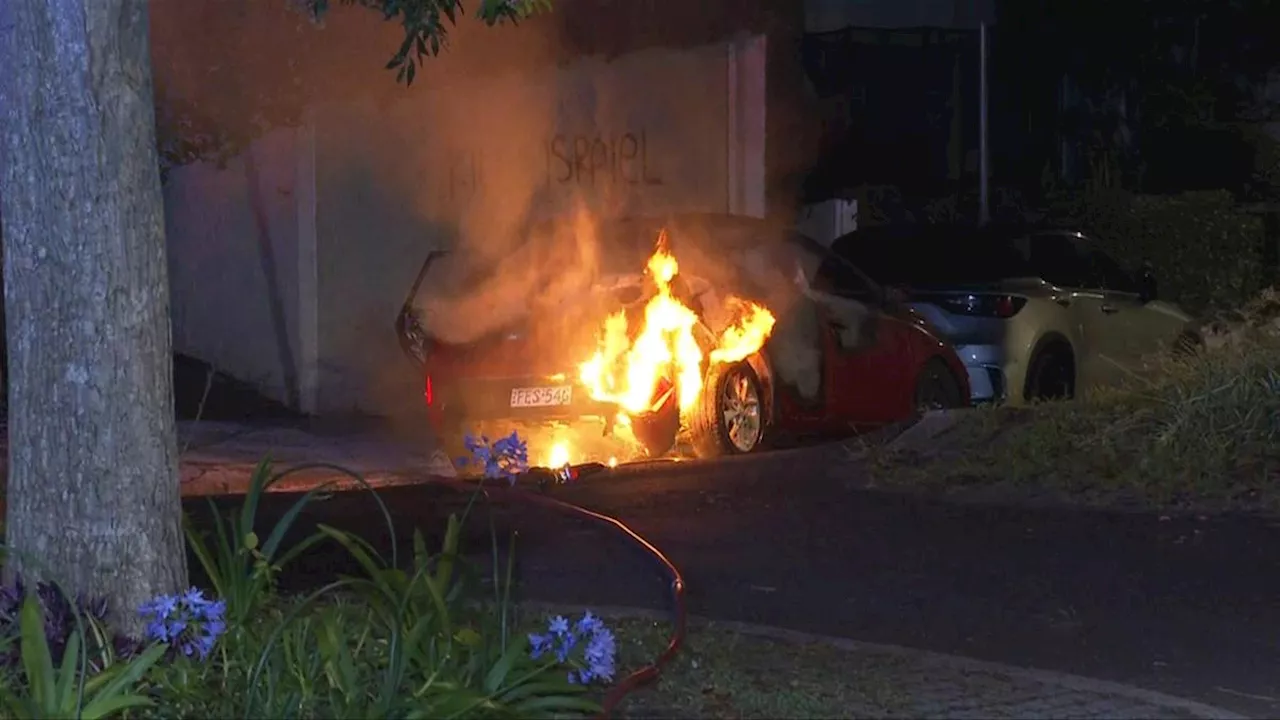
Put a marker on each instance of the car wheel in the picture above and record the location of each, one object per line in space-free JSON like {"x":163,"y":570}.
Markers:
{"x":1052,"y":375}
{"x":937,"y":388}
{"x":728,"y":419}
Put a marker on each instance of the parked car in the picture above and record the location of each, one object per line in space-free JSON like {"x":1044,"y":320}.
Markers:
{"x":1035,"y":313}
{"x":841,"y":356}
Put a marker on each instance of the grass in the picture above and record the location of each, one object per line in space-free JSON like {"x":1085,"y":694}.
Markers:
{"x":1198,"y":432}
{"x":723,"y":673}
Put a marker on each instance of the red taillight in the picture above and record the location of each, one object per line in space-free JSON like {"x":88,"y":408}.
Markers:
{"x":978,"y":304}
{"x":1005,"y":306}
{"x":428,"y":393}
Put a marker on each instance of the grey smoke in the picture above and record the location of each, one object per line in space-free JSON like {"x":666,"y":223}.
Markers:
{"x":561,"y":264}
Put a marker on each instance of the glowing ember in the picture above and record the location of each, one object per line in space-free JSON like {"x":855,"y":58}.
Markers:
{"x":613,"y":462}
{"x":629,"y":368}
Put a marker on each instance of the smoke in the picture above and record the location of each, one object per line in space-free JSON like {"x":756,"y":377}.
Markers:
{"x":495,"y":139}
{"x":470,"y":294}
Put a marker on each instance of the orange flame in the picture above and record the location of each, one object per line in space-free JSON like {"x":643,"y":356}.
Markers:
{"x":629,"y":371}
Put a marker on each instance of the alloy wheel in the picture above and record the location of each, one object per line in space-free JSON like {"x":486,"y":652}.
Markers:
{"x":740,"y":411}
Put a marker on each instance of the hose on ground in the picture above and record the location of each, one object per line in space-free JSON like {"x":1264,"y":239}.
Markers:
{"x":651,"y":672}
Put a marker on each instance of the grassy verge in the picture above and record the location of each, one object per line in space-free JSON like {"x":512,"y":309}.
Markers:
{"x":1197,"y":433}
{"x":722,"y":673}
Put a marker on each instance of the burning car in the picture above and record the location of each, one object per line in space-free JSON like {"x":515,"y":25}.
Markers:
{"x":626,"y":338}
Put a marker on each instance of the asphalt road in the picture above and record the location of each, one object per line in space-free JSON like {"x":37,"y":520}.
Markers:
{"x":1186,"y":606}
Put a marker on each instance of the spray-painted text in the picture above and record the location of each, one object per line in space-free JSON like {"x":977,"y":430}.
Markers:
{"x":584,"y":160}
{"x":592,"y":159}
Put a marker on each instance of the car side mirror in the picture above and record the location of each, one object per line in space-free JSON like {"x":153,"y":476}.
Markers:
{"x":1148,"y":289}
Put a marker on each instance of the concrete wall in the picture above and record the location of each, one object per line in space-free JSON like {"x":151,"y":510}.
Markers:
{"x":233,"y":264}
{"x":647,"y":133}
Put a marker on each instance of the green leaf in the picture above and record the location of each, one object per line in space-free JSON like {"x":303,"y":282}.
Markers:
{"x":539,"y":688}
{"x":107,"y":707}
{"x":555,"y":705}
{"x":467,"y":636}
{"x":360,"y":550}
{"x":122,"y":677}
{"x":452,"y":540}
{"x":196,"y":542}
{"x":286,"y":521}
{"x":67,"y":690}
{"x":37,"y":663}
{"x":258,"y":484}
{"x":497,"y":677}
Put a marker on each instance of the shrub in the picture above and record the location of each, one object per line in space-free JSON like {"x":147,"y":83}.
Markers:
{"x":1205,"y":251}
{"x":413,"y":640}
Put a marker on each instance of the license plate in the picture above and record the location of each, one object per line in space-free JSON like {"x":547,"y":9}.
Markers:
{"x":541,"y":396}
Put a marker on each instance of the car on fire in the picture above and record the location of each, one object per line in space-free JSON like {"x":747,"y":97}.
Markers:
{"x":720,"y":333}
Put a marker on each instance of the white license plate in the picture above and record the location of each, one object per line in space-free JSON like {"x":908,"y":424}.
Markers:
{"x":541,"y":396}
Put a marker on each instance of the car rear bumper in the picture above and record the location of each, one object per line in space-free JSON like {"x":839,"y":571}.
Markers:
{"x":461,"y":402}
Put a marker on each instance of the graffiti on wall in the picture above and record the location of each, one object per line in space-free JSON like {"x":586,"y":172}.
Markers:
{"x":583,"y":160}
{"x":591,"y":159}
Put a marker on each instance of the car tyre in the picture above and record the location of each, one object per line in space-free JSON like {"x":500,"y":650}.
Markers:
{"x":729,"y":417}
{"x":1052,"y":376}
{"x":937,"y":388}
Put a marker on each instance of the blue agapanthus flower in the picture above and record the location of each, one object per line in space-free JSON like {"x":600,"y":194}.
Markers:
{"x":506,"y":457}
{"x":189,"y":622}
{"x":587,"y":645}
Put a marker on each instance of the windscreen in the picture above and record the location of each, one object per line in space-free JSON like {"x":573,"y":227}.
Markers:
{"x":936,"y":256}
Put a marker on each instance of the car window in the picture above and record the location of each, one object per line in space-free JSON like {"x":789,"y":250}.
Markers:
{"x":926,"y":256}
{"x":837,"y":277}
{"x":1110,"y":273}
{"x":1063,"y":261}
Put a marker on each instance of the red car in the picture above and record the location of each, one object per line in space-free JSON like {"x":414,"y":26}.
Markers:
{"x":843,"y":355}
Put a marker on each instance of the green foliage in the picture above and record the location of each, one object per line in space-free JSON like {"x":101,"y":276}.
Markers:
{"x":241,"y":569}
{"x":1148,"y":91}
{"x":1206,"y":252}
{"x":69,"y":691}
{"x":426,"y":24}
{"x":406,"y":642}
{"x":420,"y":641}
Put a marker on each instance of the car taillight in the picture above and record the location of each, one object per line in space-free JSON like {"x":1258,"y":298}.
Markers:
{"x":428,"y":393}
{"x":977,"y":304}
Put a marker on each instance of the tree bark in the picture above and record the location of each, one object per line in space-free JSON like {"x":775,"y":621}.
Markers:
{"x":93,"y":496}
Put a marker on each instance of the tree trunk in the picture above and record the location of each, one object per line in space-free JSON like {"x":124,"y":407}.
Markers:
{"x":93,"y":497}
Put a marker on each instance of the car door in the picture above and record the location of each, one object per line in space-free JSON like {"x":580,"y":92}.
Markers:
{"x":864,"y":349}
{"x":1140,"y":330}
{"x":1077,"y":311}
